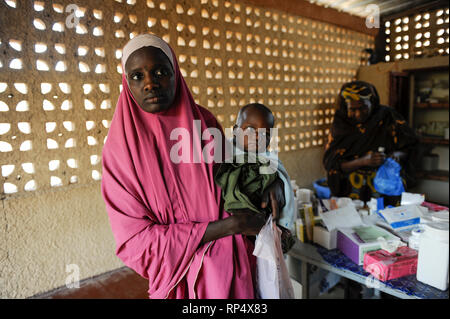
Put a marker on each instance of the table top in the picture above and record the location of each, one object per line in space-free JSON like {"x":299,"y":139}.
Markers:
{"x":334,"y":260}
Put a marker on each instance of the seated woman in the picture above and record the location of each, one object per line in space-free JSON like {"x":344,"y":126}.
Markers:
{"x":363,"y":134}
{"x":166,"y":215}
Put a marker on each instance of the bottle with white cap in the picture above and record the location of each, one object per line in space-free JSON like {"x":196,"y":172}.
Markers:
{"x":414,"y":239}
{"x":432,"y":264}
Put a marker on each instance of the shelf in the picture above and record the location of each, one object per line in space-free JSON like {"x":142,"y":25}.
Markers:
{"x":433,"y":106}
{"x":437,"y":175}
{"x":434,"y":140}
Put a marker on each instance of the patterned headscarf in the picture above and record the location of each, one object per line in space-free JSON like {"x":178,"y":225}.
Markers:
{"x":356,"y":92}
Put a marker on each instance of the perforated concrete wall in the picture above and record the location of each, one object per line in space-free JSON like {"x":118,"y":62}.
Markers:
{"x":423,"y":34}
{"x":60,"y":78}
{"x":60,"y":75}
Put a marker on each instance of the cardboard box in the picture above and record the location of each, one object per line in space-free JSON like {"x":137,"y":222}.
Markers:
{"x":324,"y":237}
{"x":386,"y":266}
{"x":354,"y":248}
{"x":401,"y":217}
{"x":325,"y":233}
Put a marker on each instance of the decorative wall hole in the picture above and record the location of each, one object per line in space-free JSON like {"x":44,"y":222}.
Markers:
{"x":51,"y":144}
{"x":72,"y":163}
{"x":70,"y":143}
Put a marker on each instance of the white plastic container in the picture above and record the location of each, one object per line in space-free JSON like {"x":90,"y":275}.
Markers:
{"x":414,"y":239}
{"x":442,"y":216}
{"x":304,"y":195}
{"x":432,"y":265}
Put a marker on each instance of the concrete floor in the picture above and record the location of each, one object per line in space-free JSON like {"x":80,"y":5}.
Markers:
{"x":124,"y":283}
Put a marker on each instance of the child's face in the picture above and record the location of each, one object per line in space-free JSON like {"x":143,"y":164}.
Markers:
{"x":253,"y":135}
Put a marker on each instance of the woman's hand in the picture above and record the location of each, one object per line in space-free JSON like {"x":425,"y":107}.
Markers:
{"x":398,"y":156}
{"x":244,"y":222}
{"x":374,"y":159}
{"x":274,"y":195}
{"x":247,"y":222}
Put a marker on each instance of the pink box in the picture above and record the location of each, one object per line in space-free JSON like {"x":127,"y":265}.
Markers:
{"x":386,"y":266}
{"x":434,"y":207}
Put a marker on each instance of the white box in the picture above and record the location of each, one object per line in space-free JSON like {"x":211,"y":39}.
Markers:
{"x":402,"y":217}
{"x":324,"y":237}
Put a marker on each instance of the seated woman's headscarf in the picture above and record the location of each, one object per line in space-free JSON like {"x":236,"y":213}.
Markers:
{"x":159,"y":209}
{"x":349,"y":140}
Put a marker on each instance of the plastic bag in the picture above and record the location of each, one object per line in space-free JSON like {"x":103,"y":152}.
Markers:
{"x":272,"y":277}
{"x":388,"y":180}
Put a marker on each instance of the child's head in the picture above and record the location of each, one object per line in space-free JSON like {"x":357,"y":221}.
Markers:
{"x":252,"y":128}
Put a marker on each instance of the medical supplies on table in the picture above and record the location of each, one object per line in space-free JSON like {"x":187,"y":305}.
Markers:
{"x":378,"y":236}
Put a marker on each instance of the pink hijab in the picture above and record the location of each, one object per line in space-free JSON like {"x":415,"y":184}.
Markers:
{"x":159,"y":210}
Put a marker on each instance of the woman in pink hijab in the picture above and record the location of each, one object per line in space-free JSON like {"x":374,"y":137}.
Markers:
{"x":166,"y":215}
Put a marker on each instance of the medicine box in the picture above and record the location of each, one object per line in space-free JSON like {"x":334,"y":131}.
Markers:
{"x":324,"y":237}
{"x":349,"y":243}
{"x":401,"y":218}
{"x":386,"y":266}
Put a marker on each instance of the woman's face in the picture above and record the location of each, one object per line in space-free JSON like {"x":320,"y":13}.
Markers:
{"x":358,"y":110}
{"x":151,"y":79}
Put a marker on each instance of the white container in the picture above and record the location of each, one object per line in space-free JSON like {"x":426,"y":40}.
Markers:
{"x":359,"y":204}
{"x":432,"y":265}
{"x":304,"y":195}
{"x":364,"y":212}
{"x":344,"y":202}
{"x":414,"y":239}
{"x":442,"y":216}
{"x":325,"y":238}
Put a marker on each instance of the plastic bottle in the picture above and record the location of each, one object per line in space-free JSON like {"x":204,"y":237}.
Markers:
{"x":432,"y":265}
{"x":414,"y":239}
{"x":300,"y":230}
{"x":305,"y":210}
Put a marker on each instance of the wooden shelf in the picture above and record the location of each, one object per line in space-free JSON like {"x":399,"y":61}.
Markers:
{"x":434,"y":140}
{"x":437,"y":175}
{"x":433,"y":106}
